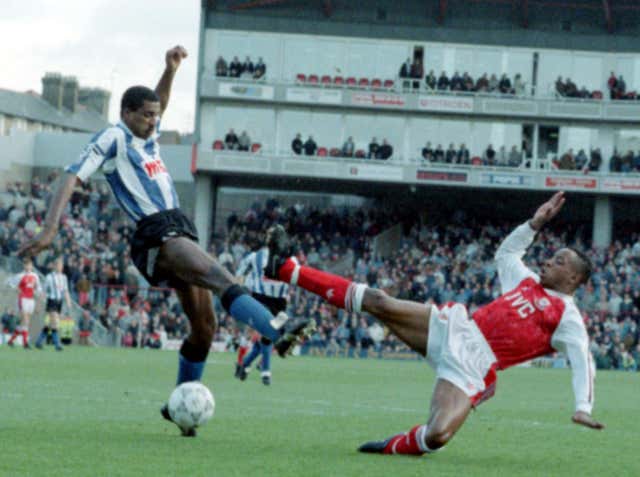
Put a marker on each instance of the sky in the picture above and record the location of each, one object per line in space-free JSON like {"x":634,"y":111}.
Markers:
{"x":112,"y":44}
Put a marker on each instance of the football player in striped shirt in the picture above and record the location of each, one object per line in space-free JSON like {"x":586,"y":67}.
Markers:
{"x":56,"y":289}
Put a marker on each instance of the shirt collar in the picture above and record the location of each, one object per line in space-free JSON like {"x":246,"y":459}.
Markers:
{"x":138,"y":140}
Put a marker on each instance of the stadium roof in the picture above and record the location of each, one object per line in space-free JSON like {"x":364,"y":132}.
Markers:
{"x":33,"y":107}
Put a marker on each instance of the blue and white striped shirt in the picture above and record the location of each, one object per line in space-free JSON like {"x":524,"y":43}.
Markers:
{"x":252,"y":269}
{"x":133,"y":168}
{"x":56,"y":285}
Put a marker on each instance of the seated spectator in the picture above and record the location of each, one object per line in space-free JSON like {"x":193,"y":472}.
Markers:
{"x":482,"y":85}
{"x":456,"y":82}
{"x":463,"y":155}
{"x":584,"y":93}
{"x":571,"y":90}
{"x":443,"y":82}
{"x":427,"y":152}
{"x":235,"y":68}
{"x":244,"y":142}
{"x":450,"y":157}
{"x":505,"y":85}
{"x":567,"y":161}
{"x":467,"y":82}
{"x":636,"y":162}
{"x":385,"y":151}
{"x":595,"y":161}
{"x":417,"y":72}
{"x":560,"y":87}
{"x":348,"y":148}
{"x":627,"y":162}
{"x":247,"y":68}
{"x":489,"y":158}
{"x":296,"y":145}
{"x":493,"y":84}
{"x":221,"y":67}
{"x":310,"y":147}
{"x":581,"y":160}
{"x":374,"y":147}
{"x":438,"y":154}
{"x":515,"y":157}
{"x":615,"y":163}
{"x":260,"y":69}
{"x":231,"y":140}
{"x":519,"y":85}
{"x":430,"y":80}
{"x":612,"y":84}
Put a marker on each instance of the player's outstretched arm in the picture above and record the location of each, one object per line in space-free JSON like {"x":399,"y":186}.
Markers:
{"x":584,"y":419}
{"x":61,"y":197}
{"x":173,"y":59}
{"x":547,"y":211}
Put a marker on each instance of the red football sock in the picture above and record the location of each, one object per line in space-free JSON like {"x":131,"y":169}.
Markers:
{"x":25,"y":338}
{"x":406,"y":443}
{"x":241,"y":352}
{"x":336,"y":290}
{"x":14,"y":335}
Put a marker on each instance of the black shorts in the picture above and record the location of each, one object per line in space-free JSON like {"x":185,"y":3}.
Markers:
{"x":53,"y":305}
{"x":153,"y":231}
{"x":275,"y":305}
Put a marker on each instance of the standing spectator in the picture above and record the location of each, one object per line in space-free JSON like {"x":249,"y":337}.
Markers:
{"x":417,"y":72}
{"x":296,"y":145}
{"x":482,"y":85}
{"x":596,"y":160}
{"x":235,"y":68}
{"x":260,"y":69}
{"x":561,"y":89}
{"x":467,"y":82}
{"x":505,"y":85}
{"x":519,"y":85}
{"x":430,"y":80}
{"x":385,"y":151}
{"x":231,"y":140}
{"x":244,"y":142}
{"x":567,"y":162}
{"x":456,"y":82}
{"x":85,"y":328}
{"x":450,"y":157}
{"x":373,"y":148}
{"x":221,"y":67}
{"x":463,"y":155}
{"x":438,"y":154}
{"x":615,"y":163}
{"x":310,"y":147}
{"x":621,"y":87}
{"x":405,"y":72}
{"x":247,"y":68}
{"x":515,"y":157}
{"x":348,"y":147}
{"x":443,"y":82}
{"x":612,"y":84}
{"x":489,"y":156}
{"x":581,"y":160}
{"x":427,"y":152}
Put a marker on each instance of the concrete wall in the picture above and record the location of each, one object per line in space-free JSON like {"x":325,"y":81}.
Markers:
{"x":16,"y":158}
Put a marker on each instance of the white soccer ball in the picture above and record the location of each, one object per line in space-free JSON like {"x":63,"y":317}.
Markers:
{"x":191,"y":405}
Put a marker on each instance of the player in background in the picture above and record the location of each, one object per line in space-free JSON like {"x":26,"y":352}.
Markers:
{"x":28,"y":284}
{"x":164,"y":246}
{"x":56,"y":289}
{"x":271,"y":293}
{"x":535,"y":316}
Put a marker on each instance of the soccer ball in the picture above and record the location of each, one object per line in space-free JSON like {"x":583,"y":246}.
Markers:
{"x":191,"y":405}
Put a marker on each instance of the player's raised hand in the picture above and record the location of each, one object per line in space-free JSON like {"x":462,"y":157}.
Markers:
{"x":584,"y":419}
{"x":37,"y":244}
{"x":547,"y":211}
{"x":175,"y":56}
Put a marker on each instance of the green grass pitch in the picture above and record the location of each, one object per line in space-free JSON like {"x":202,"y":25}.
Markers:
{"x":94,"y":412}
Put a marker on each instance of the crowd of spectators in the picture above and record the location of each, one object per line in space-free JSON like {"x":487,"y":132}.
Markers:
{"x":618,"y":88}
{"x":375,"y":150}
{"x":433,"y":262}
{"x":236,"y":69}
{"x":568,"y":89}
{"x":461,"y":155}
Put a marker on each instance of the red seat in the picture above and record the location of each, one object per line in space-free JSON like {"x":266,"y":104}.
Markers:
{"x":301,"y":78}
{"x":363,"y":83}
{"x":322,"y":152}
{"x":338,"y":80}
{"x":376,"y":83}
{"x":360,"y":153}
{"x":335,"y":152}
{"x":351,"y":81}
{"x":313,"y":79}
{"x":255,"y":147}
{"x":388,"y":83}
{"x":218,"y":145}
{"x":325,"y":80}
{"x":596,"y":95}
{"x":476,"y":161}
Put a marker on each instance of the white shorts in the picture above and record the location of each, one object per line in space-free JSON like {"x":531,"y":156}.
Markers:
{"x":459,"y":353}
{"x":26,"y":305}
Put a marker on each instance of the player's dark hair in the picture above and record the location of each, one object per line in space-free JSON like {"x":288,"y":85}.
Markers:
{"x":134,"y":98}
{"x":583,"y":265}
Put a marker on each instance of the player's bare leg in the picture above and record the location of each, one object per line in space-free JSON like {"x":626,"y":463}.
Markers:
{"x":181,"y":258}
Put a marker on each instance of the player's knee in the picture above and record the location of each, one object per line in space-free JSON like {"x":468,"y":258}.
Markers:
{"x":202,"y":333}
{"x":437,"y":436}
{"x":377,"y":301}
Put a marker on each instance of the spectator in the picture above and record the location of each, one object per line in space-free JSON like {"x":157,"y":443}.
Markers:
{"x":417,"y":72}
{"x":310,"y":147}
{"x":247,"y":68}
{"x":438,"y":154}
{"x":467,"y":82}
{"x":85,"y":328}
{"x":427,"y":152}
{"x":456,"y":82}
{"x":385,"y":151}
{"x":430,"y":80}
{"x":348,"y":148}
{"x":621,"y":87}
{"x":501,"y":157}
{"x":374,"y":147}
{"x":489,"y":158}
{"x":519,"y":85}
{"x":450,"y":156}
{"x":581,"y":160}
{"x":231,"y":140}
{"x":221,"y":67}
{"x":463,"y":155}
{"x":505,"y":85}
{"x":515,"y":157}
{"x":235,"y":68}
{"x":596,"y":160}
{"x":296,"y":144}
{"x":560,"y":87}
{"x":567,"y":161}
{"x":482,"y":85}
{"x":612,"y":84}
{"x":244,"y":142}
{"x":405,"y":73}
{"x":615,"y":163}
{"x":443,"y":82}
{"x":260,"y":69}
{"x":493,"y":83}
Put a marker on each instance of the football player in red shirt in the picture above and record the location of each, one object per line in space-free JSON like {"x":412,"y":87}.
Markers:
{"x":535,"y":315}
{"x":27,"y":284}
